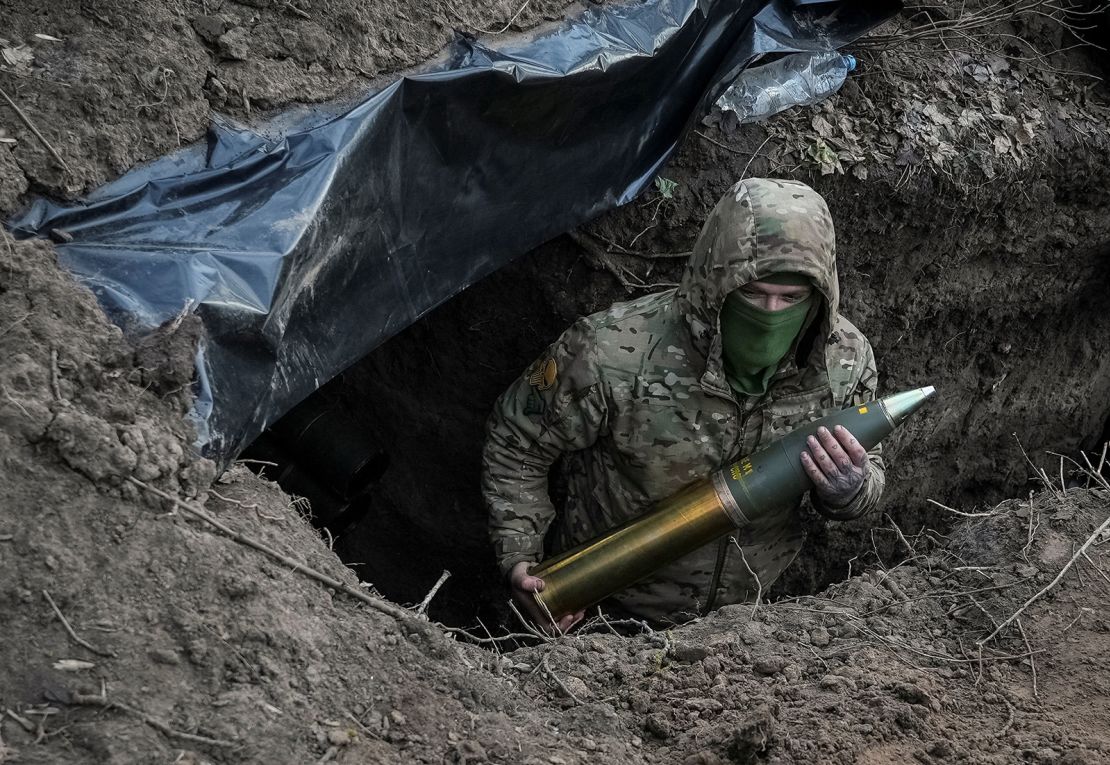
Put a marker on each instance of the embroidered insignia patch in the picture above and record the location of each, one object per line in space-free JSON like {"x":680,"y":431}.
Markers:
{"x":545,"y":374}
{"x":534,"y":405}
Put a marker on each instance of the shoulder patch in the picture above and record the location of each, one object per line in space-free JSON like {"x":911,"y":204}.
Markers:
{"x":544,"y":374}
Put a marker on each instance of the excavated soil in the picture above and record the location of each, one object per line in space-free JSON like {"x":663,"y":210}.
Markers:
{"x":969,"y":189}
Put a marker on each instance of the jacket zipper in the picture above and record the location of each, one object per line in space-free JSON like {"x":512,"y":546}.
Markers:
{"x":722,"y":547}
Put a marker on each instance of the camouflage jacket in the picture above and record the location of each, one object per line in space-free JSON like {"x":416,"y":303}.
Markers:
{"x":635,"y":400}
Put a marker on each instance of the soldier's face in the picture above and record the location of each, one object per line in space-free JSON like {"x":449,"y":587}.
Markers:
{"x":774,"y":297}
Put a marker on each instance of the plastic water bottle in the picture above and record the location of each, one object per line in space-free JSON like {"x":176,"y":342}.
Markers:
{"x":799,"y":79}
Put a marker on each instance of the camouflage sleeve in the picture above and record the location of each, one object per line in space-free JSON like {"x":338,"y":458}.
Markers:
{"x":557,"y":405}
{"x":866,"y":389}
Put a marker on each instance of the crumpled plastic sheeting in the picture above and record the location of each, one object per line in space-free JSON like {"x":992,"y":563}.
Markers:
{"x":305,"y":245}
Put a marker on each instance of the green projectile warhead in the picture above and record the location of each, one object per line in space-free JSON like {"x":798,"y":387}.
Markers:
{"x":730,"y":498}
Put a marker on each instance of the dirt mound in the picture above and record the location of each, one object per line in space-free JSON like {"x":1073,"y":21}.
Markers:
{"x":112,"y":88}
{"x":182,"y":639}
{"x":884,"y":667}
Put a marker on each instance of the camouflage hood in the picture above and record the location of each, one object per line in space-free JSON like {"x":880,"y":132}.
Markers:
{"x":760,"y":227}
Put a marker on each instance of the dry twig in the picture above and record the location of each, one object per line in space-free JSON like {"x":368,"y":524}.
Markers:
{"x":55,"y":375}
{"x":560,"y":683}
{"x":7,"y":241}
{"x":31,"y":126}
{"x":89,"y":700}
{"x":1009,"y":720}
{"x":1078,"y":616}
{"x":898,"y":531}
{"x":490,"y":639}
{"x":1032,"y":661}
{"x":432,"y":592}
{"x":24,"y":723}
{"x":756,"y":153}
{"x":1042,"y":476}
{"x":758,"y":584}
{"x":1031,"y":530}
{"x":508,"y":23}
{"x":601,"y":258}
{"x":77,"y":639}
{"x":1082,"y":548}
{"x":528,"y":625}
{"x":385,"y":607}
{"x":297,"y":11}
{"x":960,"y":512}
{"x":1095,"y":566}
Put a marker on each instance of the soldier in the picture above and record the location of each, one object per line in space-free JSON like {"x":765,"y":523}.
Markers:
{"x":652,"y":394}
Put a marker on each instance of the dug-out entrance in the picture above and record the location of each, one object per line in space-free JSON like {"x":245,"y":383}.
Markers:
{"x":389,"y":453}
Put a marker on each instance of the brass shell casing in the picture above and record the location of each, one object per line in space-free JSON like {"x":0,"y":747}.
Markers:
{"x":587,"y":574}
{"x":730,"y":498}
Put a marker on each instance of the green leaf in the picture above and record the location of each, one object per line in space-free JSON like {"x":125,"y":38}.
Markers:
{"x":823,"y":155}
{"x":666,"y":187}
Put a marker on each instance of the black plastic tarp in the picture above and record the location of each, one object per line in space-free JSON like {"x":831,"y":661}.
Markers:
{"x":305,"y":245}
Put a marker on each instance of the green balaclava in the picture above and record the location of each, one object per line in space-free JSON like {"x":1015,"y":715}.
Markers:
{"x":754,"y":340}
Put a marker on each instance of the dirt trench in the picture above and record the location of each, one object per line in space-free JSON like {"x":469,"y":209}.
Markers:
{"x":974,"y":261}
{"x":969,"y":193}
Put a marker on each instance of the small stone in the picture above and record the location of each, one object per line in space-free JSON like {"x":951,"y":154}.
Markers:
{"x":340,"y":736}
{"x":470,"y":753}
{"x":916,"y":695}
{"x":837,"y":683}
{"x":753,"y":735}
{"x":820,"y":637}
{"x":234,"y":44}
{"x":398,"y":717}
{"x":769,"y":665}
{"x":164,"y":656}
{"x":941,"y":749}
{"x":197,"y":651}
{"x":753,"y":632}
{"x":689,"y":652}
{"x":659,"y":726}
{"x":578,"y":687}
{"x":712,"y":666}
{"x":209,"y":27}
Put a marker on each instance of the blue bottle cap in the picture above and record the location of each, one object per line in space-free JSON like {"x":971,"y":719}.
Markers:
{"x":849,"y":62}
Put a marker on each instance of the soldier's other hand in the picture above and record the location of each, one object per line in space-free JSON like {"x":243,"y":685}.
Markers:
{"x":523,"y":586}
{"x":836,"y":463}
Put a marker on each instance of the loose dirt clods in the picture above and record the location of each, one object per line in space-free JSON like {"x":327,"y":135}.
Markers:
{"x":969,"y":187}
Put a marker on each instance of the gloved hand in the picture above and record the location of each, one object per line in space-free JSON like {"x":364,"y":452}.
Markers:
{"x":522,"y":585}
{"x":837,"y":464}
